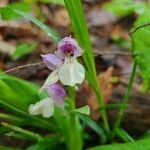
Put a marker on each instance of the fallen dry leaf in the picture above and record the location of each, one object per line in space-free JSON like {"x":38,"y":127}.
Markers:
{"x":98,"y":17}
{"x":2,"y":66}
{"x":6,"y":47}
{"x":3,"y":3}
{"x":87,"y":96}
{"x":61,"y":18}
{"x":118,"y":30}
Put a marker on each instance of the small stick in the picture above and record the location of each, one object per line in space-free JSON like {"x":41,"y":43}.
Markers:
{"x":40,"y":63}
{"x":21,"y":67}
{"x":142,"y":26}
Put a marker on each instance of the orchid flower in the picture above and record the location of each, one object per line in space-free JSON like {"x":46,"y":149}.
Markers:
{"x":64,"y":64}
{"x":45,"y":107}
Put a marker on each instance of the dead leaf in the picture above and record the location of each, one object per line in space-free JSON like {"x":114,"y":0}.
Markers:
{"x":86,"y":95}
{"x":118,"y":30}
{"x":106,"y":86}
{"x":98,"y":17}
{"x":61,"y":18}
{"x":6,"y":47}
{"x":3,"y":3}
{"x":2,"y":66}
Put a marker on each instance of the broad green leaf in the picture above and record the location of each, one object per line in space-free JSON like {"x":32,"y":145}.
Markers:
{"x":145,"y":85}
{"x":17,"y":92}
{"x":23,"y":49}
{"x":83,"y":110}
{"x":93,"y":125}
{"x":141,"y":44}
{"x":125,"y":7}
{"x":7,"y":14}
{"x":138,"y":145}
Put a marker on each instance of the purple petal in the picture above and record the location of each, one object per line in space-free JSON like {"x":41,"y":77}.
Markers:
{"x":57,"y":93}
{"x":69,"y":46}
{"x":59,"y":54}
{"x":52,"y":61}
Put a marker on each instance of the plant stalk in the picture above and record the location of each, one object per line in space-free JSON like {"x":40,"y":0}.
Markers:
{"x":79,"y":25}
{"x":75,"y":134}
{"x":126,"y":97}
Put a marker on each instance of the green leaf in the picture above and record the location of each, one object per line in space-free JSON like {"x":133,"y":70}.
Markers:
{"x":31,"y":120}
{"x":42,"y":145}
{"x":145,"y":135}
{"x":125,"y":7}
{"x":83,"y":110}
{"x":81,"y":31}
{"x":51,"y":33}
{"x":63,"y":123}
{"x":17,"y":92}
{"x":25,"y":133}
{"x":8,"y":148}
{"x":60,"y":2}
{"x":93,"y":125}
{"x":3,"y":130}
{"x":138,"y":145}
{"x":11,"y":118}
{"x":23,"y":49}
{"x":124,"y":135}
{"x":7,"y":14}
{"x":141,"y":44}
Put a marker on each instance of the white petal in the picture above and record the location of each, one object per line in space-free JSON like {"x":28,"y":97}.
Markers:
{"x":51,"y":79}
{"x":71,"y":72}
{"x":44,"y":107}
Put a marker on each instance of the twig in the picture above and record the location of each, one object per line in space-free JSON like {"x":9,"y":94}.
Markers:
{"x":40,"y":63}
{"x":144,"y":25}
{"x":21,"y":67}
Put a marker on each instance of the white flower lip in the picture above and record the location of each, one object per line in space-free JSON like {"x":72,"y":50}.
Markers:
{"x":71,"y":72}
{"x":44,"y":107}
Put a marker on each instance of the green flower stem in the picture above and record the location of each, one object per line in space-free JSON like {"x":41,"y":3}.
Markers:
{"x":75,"y":135}
{"x":126,"y":98}
{"x":72,"y":95}
{"x":72,"y":132}
{"x":80,"y":29}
